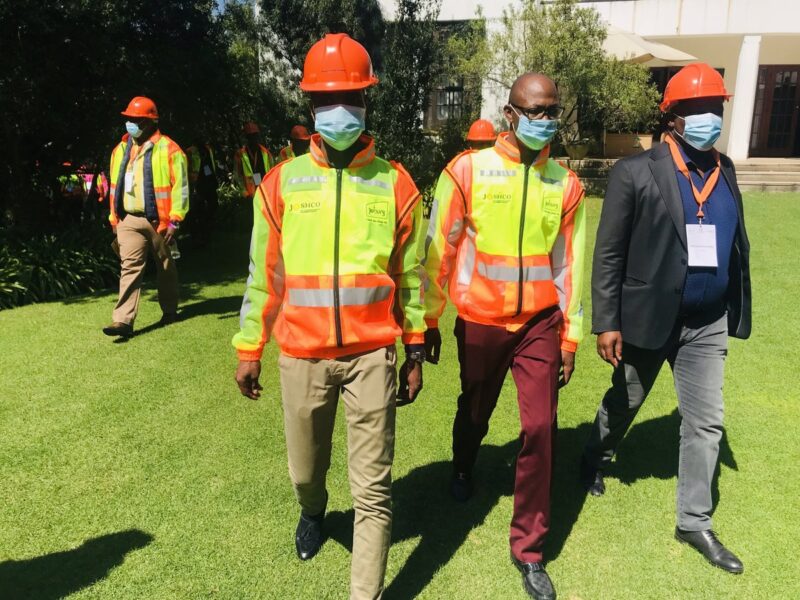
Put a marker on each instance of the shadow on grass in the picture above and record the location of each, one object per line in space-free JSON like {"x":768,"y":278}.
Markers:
{"x":226,"y":307}
{"x":423,"y":507}
{"x":60,"y":574}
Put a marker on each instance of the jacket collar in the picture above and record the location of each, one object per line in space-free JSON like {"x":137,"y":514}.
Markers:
{"x":364,"y":157}
{"x":510,"y":152}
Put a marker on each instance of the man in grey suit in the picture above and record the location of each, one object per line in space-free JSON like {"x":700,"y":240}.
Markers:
{"x":670,"y":282}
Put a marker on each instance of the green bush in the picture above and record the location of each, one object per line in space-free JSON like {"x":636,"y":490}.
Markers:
{"x":55,"y":266}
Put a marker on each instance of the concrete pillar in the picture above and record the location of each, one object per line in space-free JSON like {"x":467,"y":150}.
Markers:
{"x":744,"y":98}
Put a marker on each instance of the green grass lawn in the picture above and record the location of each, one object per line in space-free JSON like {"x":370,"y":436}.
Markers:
{"x":136,"y":470}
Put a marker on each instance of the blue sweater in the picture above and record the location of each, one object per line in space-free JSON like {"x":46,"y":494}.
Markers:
{"x":705,"y":288}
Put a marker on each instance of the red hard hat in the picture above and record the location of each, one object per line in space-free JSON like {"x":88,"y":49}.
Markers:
{"x":697,"y":80}
{"x":250,"y":127}
{"x":337,"y":63}
{"x":481,"y":131}
{"x":299,"y":133}
{"x":141,"y":106}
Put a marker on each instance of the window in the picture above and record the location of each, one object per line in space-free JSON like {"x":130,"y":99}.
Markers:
{"x":449,"y":99}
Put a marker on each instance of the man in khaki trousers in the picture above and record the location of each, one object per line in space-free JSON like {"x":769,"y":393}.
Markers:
{"x":149,"y":200}
{"x":335,"y":275}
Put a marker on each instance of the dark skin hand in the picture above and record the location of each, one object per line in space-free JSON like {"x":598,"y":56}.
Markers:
{"x":609,"y":347}
{"x":247,"y":374}
{"x":567,"y":367}
{"x":410,"y":384}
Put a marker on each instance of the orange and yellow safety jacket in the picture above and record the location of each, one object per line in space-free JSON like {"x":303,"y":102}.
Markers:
{"x":165,"y":181}
{"x":195,"y":157}
{"x":508,"y":240}
{"x":245,"y":175}
{"x":334,"y":261}
{"x":286,"y":153}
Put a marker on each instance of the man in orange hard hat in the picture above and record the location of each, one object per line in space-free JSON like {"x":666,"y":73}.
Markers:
{"x":481,"y":135}
{"x":335,"y":275}
{"x":252,"y":161}
{"x":670,"y":283}
{"x":299,"y":141}
{"x":149,"y":200}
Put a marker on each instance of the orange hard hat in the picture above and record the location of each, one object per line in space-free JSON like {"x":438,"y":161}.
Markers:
{"x":696,"y":80}
{"x":337,"y":63}
{"x":481,"y":131}
{"x":141,"y":106}
{"x":250,"y":127}
{"x":299,"y":133}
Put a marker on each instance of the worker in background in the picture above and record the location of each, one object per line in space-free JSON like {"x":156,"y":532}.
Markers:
{"x":149,"y":201}
{"x":507,"y":238}
{"x":670,"y":283}
{"x":481,"y":135}
{"x":203,"y":184}
{"x":251,"y":162}
{"x":299,"y":140}
{"x":335,"y":275}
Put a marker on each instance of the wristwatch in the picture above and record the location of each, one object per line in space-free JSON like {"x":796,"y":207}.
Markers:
{"x":415,"y":352}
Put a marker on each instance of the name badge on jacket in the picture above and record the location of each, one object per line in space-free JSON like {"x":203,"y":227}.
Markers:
{"x":701,"y":241}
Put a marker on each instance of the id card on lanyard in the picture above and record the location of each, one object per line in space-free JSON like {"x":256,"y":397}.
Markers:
{"x":701,"y":239}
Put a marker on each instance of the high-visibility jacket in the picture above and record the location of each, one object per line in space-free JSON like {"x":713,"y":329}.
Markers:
{"x":508,"y":240}
{"x":334,"y":261}
{"x":244,"y":170}
{"x":166,"y":182}
{"x":197,"y":164}
{"x":286,"y":153}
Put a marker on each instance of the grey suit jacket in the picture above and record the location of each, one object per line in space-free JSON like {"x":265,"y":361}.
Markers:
{"x":640,"y":258}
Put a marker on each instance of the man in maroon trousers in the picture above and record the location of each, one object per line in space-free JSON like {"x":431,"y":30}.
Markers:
{"x":507,"y":238}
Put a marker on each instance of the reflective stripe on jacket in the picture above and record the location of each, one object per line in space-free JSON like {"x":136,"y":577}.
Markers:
{"x":166,"y":181}
{"x":334,"y":261}
{"x":508,"y":240}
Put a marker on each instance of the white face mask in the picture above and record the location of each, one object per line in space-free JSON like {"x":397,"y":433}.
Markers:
{"x":133,"y":129}
{"x":340,"y":125}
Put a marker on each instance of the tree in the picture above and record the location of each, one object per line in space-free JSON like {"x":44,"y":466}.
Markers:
{"x":565,"y":42}
{"x":412,"y":63}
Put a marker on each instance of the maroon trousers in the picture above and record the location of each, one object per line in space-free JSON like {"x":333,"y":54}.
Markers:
{"x":533,"y":354}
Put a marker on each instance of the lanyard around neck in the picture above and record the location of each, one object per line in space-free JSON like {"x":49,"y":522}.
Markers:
{"x":700,"y":196}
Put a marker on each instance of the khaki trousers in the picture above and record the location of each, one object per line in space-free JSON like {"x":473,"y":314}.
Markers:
{"x":136,"y":237}
{"x":367,"y":383}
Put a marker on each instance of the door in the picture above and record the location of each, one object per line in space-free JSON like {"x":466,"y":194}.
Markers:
{"x":776,"y":114}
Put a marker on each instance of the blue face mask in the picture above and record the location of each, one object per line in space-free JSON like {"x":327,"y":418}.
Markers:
{"x":133,"y":129}
{"x":340,"y":125}
{"x":535,"y":133}
{"x":702,"y":131}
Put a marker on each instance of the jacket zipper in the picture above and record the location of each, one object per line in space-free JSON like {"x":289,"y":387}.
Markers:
{"x":521,"y":234}
{"x":337,"y":317}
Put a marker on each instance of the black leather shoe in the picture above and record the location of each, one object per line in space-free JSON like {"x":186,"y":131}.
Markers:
{"x":308,"y":536}
{"x":535,"y":579}
{"x":461,"y":487}
{"x":592,"y":478}
{"x":707,"y":544}
{"x":118,"y":329}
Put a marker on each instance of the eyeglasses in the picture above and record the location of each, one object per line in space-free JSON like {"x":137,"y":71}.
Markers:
{"x":554,"y":111}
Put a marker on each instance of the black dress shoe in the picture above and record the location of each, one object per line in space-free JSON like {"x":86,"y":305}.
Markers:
{"x":535,"y":579}
{"x":461,"y":487}
{"x":592,"y":478}
{"x":308,"y":536}
{"x":707,"y":544}
{"x":118,"y":329}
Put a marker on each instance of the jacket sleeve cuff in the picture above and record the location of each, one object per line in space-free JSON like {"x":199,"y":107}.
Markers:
{"x":569,"y":346}
{"x":413,"y":338}
{"x":432,"y":323}
{"x":249,"y":355}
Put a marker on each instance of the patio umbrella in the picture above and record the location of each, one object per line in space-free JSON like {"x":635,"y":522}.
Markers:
{"x":630,"y":47}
